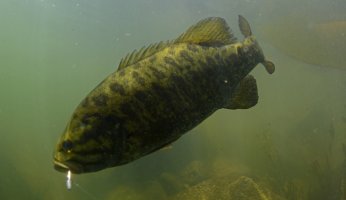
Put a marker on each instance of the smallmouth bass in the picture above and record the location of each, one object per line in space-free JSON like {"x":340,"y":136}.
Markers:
{"x":160,"y":92}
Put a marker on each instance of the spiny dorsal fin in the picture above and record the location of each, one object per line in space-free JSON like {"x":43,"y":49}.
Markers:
{"x":210,"y":31}
{"x":144,"y":52}
{"x":244,"y":26}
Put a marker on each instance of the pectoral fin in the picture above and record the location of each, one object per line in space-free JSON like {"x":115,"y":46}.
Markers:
{"x":245,"y":95}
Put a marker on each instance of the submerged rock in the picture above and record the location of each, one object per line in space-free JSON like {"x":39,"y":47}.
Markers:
{"x":246,"y":188}
{"x":150,"y":190}
{"x":227,"y":188}
{"x":195,"y":172}
{"x":171,"y":183}
{"x":192,"y":174}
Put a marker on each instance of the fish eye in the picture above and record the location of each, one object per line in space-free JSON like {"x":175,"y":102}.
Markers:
{"x":67,"y":145}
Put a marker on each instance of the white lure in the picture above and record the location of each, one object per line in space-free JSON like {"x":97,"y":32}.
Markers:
{"x":68,"y":180}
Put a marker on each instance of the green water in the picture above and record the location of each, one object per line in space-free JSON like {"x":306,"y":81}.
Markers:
{"x":52,"y":53}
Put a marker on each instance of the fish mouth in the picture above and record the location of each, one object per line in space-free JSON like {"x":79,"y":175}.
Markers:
{"x":67,"y":166}
{"x":77,"y":168}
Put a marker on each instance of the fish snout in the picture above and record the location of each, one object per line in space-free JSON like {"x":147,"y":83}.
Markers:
{"x":63,"y":164}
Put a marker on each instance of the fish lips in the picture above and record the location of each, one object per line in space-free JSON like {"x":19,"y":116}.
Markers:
{"x":77,"y":168}
{"x":68,"y":166}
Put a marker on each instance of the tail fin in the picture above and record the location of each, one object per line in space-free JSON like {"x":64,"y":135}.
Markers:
{"x":245,"y":29}
{"x":270,"y":67}
{"x":244,"y":26}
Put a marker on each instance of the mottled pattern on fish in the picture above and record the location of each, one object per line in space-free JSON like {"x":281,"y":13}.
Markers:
{"x":156,"y":97}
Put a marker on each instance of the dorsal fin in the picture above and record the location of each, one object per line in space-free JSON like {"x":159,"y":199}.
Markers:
{"x":144,"y":52}
{"x":212,"y":31}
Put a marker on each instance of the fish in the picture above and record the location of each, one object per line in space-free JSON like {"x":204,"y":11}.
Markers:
{"x":160,"y":92}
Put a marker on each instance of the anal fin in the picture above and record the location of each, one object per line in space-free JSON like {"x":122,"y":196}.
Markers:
{"x":245,"y":95}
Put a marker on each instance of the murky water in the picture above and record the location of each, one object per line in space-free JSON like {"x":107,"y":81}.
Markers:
{"x":292,"y":143}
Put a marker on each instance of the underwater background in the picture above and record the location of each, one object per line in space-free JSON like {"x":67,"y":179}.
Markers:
{"x":291,"y":145}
